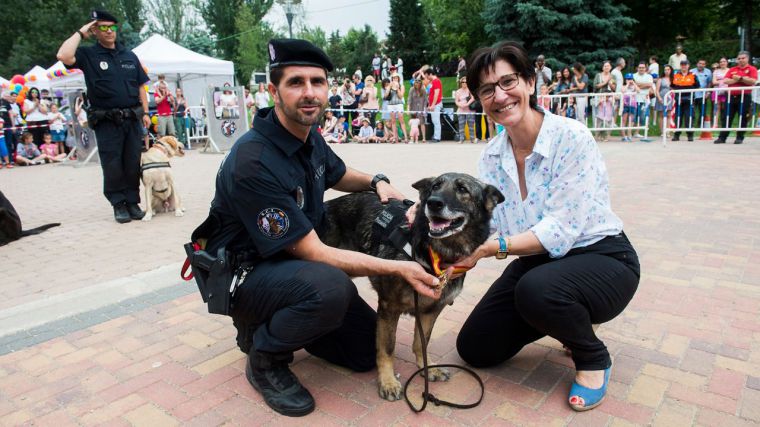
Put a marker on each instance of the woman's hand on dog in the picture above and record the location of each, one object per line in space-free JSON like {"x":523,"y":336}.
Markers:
{"x":422,"y":282}
{"x":467,"y":262}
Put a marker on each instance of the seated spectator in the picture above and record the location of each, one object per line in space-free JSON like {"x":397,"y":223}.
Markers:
{"x":379,"y":135}
{"x":50,"y":149}
{"x":414,"y":128}
{"x":365,"y":132}
{"x":329,"y":124}
{"x":57,"y":127}
{"x":27,"y":154}
{"x":339,"y":134}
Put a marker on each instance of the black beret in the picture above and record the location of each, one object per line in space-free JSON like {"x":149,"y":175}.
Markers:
{"x":284,"y":52}
{"x":102,"y":15}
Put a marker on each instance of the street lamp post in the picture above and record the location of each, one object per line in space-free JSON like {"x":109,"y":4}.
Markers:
{"x":290,"y":11}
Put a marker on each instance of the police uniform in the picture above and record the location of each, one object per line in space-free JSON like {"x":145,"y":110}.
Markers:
{"x":269,"y":195}
{"x":114,"y":78}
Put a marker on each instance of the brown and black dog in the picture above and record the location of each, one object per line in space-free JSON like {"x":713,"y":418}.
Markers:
{"x":452,"y":220}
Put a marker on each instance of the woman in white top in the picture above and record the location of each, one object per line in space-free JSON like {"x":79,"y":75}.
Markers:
{"x":262,"y":97}
{"x":35,"y":113}
{"x":462,"y":99}
{"x":719,"y":96}
{"x":368,"y":99}
{"x":394,"y":99}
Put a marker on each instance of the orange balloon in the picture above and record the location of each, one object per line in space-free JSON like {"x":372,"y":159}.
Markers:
{"x":33,"y":78}
{"x":20,"y":99}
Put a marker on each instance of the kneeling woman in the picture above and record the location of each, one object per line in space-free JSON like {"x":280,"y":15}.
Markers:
{"x":576,"y":267}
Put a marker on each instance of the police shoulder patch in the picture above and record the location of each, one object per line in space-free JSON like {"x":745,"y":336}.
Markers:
{"x":273,"y":223}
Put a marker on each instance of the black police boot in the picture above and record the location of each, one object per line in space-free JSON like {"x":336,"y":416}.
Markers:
{"x":134,"y":211}
{"x":269,"y":374}
{"x":120,"y":213}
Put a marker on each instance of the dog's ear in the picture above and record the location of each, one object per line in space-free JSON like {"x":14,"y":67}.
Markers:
{"x":423,"y":184}
{"x":492,"y":197}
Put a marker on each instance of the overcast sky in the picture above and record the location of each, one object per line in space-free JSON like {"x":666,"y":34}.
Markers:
{"x":339,"y":15}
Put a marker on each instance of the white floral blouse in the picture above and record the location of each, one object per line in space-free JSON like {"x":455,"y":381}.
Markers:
{"x":568,"y":202}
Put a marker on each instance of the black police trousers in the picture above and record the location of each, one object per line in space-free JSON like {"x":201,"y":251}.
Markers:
{"x":119,"y":149}
{"x":289,"y":304}
{"x":559,"y":297}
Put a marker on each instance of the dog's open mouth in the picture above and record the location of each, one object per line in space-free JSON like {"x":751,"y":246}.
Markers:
{"x":441,"y":227}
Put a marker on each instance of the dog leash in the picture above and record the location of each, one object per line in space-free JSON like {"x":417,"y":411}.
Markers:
{"x":426,"y":395}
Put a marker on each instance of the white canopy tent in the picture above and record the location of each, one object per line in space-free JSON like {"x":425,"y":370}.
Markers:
{"x":190,"y":70}
{"x":4,"y":81}
{"x":41,"y":80}
{"x":66,"y":83}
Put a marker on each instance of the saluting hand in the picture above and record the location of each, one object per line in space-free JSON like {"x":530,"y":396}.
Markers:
{"x":86,"y":29}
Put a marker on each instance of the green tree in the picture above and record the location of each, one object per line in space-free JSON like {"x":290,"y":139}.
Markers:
{"x":253,"y":54}
{"x":359,"y":46}
{"x":565,"y":31}
{"x":200,"y":41}
{"x":315,"y":35}
{"x":335,"y":51}
{"x":132,"y":12}
{"x":173,"y":19}
{"x":458,"y":27}
{"x":407,"y":37}
{"x":220,"y":18}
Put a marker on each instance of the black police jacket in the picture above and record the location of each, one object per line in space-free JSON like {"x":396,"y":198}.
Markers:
{"x":270,"y":188}
{"x":114,"y":77}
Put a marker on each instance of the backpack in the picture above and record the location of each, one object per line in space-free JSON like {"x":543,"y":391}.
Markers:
{"x":10,"y":223}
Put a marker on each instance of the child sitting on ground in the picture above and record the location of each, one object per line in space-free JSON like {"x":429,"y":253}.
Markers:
{"x":50,"y":149}
{"x":379,"y":135}
{"x":4,"y":149}
{"x":338,"y":134}
{"x":414,"y":128}
{"x":365,"y":133}
{"x":27,"y":154}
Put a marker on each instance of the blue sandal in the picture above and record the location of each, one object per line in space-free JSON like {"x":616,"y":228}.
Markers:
{"x":583,"y":398}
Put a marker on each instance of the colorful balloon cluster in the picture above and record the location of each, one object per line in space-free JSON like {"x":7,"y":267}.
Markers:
{"x":61,"y":73}
{"x":17,"y":85}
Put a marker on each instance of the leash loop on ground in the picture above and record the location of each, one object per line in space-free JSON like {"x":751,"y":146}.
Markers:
{"x":426,"y":395}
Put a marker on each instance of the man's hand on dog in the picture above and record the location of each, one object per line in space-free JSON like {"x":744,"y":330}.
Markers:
{"x":386,"y":192}
{"x":422,"y":282}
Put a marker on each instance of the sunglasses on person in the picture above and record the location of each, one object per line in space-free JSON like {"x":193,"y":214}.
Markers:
{"x":105,"y":28}
{"x":505,"y":82}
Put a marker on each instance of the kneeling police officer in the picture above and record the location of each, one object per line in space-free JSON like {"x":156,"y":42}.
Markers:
{"x":269,"y":206}
{"x":118,"y":108}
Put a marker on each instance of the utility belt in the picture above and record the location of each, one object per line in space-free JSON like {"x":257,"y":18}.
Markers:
{"x":219,"y":274}
{"x":116,"y":115}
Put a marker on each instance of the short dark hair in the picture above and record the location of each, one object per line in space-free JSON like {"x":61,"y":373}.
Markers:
{"x":513,"y":53}
{"x":46,"y":133}
{"x":430,"y":70}
{"x":579,"y":67}
{"x":26,"y":135}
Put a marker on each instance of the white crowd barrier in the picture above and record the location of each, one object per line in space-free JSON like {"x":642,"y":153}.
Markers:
{"x":712,"y":110}
{"x":197,"y":128}
{"x":607,"y":111}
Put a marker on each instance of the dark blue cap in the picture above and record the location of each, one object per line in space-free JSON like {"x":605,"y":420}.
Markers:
{"x":285,"y":52}
{"x":102,"y":15}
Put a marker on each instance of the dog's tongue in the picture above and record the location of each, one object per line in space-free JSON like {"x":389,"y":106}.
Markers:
{"x":439,"y":225}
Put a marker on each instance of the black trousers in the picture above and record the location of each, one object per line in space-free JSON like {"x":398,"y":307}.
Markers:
{"x":538,"y":295}
{"x":733,"y":107}
{"x":119,"y":148}
{"x":684,"y":110}
{"x":289,"y":304}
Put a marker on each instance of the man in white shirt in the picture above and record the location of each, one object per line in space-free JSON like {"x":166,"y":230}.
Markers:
{"x":543,"y":73}
{"x":654,"y":67}
{"x":376,"y":66}
{"x":617,"y":73}
{"x":676,"y":58}
{"x":645,"y":82}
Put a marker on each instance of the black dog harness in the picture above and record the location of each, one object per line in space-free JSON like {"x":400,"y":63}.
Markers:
{"x":391,"y":226}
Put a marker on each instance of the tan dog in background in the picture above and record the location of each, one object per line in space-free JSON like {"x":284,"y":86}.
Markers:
{"x":160,"y":191}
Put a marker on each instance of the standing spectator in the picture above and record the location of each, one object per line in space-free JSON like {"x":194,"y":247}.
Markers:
{"x":654,"y":67}
{"x":376,"y":65}
{"x":645,"y":82}
{"x":385,"y":87}
{"x":719,"y":80}
{"x":604,"y":83}
{"x":684,"y":79}
{"x":368,"y":99}
{"x":4,"y":157}
{"x":261,"y":98}
{"x":462,"y":99}
{"x":417,"y":102}
{"x":677,"y":58}
{"x":617,"y":73}
{"x":663,"y":87}
{"x":164,"y":108}
{"x":396,"y":109}
{"x":435,"y":101}
{"x":386,"y":65}
{"x":335,"y":100}
{"x":347,"y":98}
{"x":461,"y":67}
{"x":579,"y":87}
{"x":36,"y":115}
{"x":742,"y":75}
{"x":358,"y":72}
{"x":57,"y":122}
{"x":400,"y":67}
{"x":630,"y":93}
{"x":543,"y":73}
{"x":704,"y":78}
{"x":358,"y":89}
{"x":180,"y":116}
{"x":563,"y":87}
{"x":8,"y":116}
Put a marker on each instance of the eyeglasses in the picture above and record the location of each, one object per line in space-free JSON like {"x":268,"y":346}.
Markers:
{"x":505,"y":82}
{"x":105,"y":28}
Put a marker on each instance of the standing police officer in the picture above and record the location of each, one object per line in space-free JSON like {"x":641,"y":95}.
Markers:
{"x":269,"y":205}
{"x":118,"y":108}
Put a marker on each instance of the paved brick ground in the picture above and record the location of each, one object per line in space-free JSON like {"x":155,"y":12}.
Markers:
{"x":687,"y":350}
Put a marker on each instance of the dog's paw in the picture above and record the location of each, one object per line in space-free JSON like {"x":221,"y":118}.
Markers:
{"x":390,"y":390}
{"x":179,"y":212}
{"x":438,"y":374}
{"x":147,"y":217}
